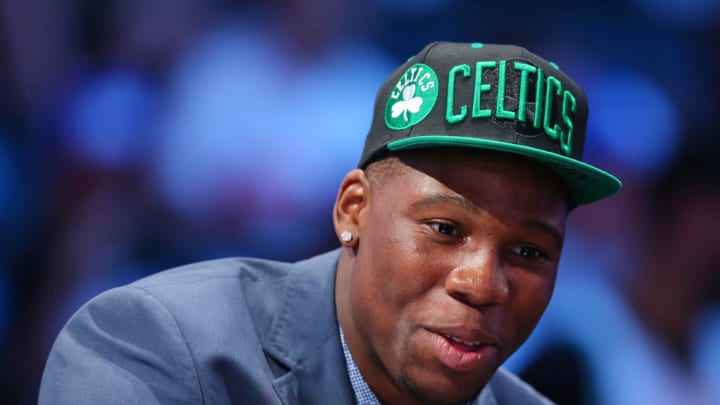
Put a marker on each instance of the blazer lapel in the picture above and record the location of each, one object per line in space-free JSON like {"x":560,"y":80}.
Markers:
{"x":304,"y":337}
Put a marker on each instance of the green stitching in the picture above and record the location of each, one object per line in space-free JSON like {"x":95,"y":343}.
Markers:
{"x":551,"y":82}
{"x":479,"y":88}
{"x":449,"y":116}
{"x":525,"y":71}
{"x":500,"y":111}
{"x":538,"y":98}
{"x":566,"y":141}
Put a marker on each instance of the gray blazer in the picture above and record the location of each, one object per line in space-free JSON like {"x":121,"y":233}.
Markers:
{"x":241,"y":331}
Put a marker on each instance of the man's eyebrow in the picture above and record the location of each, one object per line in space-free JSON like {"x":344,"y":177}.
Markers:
{"x":546,"y":228}
{"x":435,"y":199}
{"x":532,"y":224}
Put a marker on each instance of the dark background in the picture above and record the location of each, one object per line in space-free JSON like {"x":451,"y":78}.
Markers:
{"x":141,"y":135}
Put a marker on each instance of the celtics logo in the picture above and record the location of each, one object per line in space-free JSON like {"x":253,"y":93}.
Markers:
{"x":412,"y":98}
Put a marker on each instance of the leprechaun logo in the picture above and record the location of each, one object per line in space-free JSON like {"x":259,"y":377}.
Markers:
{"x":412,"y":98}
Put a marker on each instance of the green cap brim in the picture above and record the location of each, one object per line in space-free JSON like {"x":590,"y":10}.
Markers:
{"x":587,"y":183}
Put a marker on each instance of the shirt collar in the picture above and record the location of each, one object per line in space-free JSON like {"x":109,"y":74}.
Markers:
{"x":363,"y":393}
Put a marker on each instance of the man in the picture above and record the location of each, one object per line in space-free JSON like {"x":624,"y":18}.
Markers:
{"x":451,"y":231}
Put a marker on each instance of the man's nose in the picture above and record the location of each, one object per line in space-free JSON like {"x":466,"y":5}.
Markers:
{"x":479,"y":281}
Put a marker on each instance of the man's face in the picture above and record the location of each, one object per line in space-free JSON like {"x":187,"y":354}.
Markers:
{"x":455,"y":263}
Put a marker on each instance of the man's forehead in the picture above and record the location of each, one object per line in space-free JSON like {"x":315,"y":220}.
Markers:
{"x":467,"y":173}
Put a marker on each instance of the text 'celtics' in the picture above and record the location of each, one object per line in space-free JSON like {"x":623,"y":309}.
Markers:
{"x":547,"y":89}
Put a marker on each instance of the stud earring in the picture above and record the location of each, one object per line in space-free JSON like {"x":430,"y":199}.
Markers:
{"x":346,"y":236}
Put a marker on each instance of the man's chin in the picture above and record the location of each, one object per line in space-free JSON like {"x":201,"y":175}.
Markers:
{"x":445,"y":390}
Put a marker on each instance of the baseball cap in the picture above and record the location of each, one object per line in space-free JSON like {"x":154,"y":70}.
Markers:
{"x":493,"y":97}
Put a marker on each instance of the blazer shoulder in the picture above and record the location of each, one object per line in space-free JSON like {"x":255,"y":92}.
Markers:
{"x":167,"y":336}
{"x":215,"y":271}
{"x":220,"y":294}
{"x":153,"y":339}
{"x":122,"y":344}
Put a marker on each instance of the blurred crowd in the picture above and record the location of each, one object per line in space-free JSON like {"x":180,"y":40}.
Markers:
{"x":141,"y":135}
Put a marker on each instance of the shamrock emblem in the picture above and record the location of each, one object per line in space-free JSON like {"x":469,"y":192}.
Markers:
{"x":408,"y":103}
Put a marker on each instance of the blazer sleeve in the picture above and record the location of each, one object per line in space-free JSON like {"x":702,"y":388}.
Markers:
{"x":122,"y":347}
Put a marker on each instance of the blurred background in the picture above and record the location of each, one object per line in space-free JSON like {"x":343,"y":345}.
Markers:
{"x":141,"y":135}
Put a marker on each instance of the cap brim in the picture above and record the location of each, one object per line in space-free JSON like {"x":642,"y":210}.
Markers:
{"x":587,"y":183}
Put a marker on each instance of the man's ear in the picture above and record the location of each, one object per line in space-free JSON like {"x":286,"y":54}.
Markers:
{"x":351,"y":207}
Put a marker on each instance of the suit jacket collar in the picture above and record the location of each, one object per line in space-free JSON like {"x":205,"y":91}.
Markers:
{"x":304,"y":336}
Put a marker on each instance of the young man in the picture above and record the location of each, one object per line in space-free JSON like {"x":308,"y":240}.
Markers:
{"x":451,"y":230}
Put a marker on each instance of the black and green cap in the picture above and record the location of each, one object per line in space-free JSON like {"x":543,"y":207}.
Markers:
{"x":497,"y":97}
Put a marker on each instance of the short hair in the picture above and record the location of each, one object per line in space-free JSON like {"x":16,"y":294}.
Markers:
{"x":382,"y":169}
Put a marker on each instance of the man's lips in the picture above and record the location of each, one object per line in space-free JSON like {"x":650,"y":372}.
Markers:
{"x":462,"y":344}
{"x":463,"y":350}
{"x":468,"y":336}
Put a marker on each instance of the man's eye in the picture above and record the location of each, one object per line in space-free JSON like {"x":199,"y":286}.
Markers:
{"x":528,"y":252}
{"x":446,"y":229}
